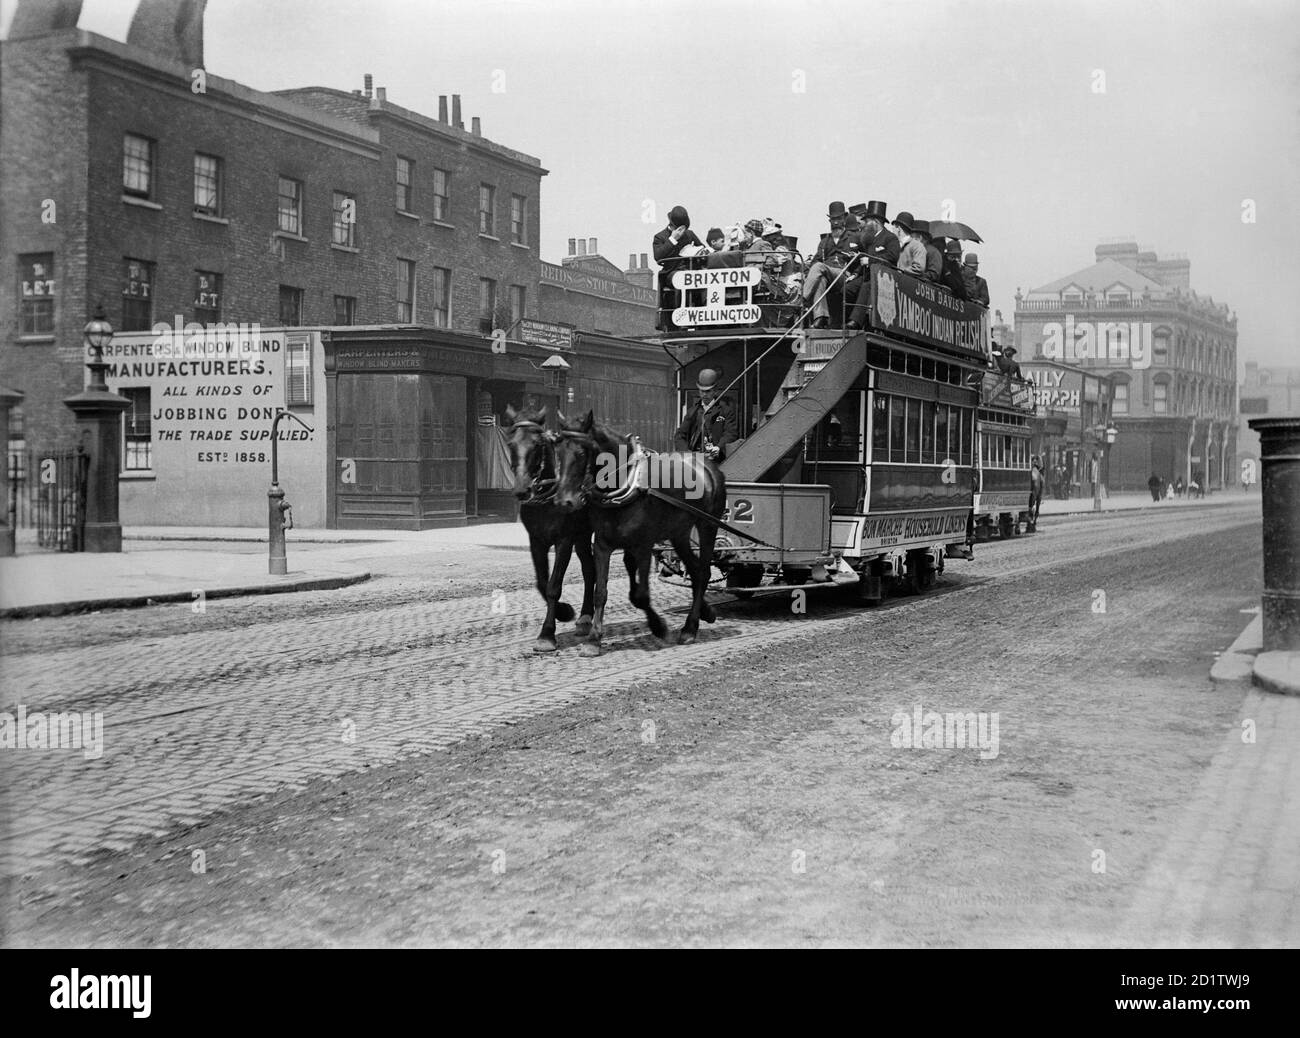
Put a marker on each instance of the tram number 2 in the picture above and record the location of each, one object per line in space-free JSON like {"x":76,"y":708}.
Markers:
{"x":739,"y":511}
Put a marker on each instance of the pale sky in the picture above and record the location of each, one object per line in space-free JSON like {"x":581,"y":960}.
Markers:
{"x":991,"y":104}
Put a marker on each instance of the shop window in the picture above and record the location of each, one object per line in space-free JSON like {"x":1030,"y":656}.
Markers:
{"x":137,"y":295}
{"x":297,"y":371}
{"x":137,"y":430}
{"x":36,"y":294}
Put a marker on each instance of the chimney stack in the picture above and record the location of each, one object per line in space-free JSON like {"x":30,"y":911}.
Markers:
{"x":170,"y":29}
{"x":573,"y":246}
{"x":476,"y":126}
{"x":644,"y":261}
{"x":370,"y":83}
{"x":631,"y":261}
{"x":582,"y":246}
{"x":455,"y":112}
{"x":382,"y":93}
{"x":592,"y":248}
{"x":442,"y":108}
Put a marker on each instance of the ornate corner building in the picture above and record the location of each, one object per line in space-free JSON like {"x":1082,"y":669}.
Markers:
{"x":1169,"y":352}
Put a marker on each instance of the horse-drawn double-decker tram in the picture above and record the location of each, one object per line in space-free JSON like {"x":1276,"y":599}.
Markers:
{"x":1003,"y":499}
{"x":859,"y":449}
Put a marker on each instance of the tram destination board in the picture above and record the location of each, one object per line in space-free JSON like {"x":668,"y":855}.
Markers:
{"x":709,"y":288}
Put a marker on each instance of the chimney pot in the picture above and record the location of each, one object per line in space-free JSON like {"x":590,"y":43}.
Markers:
{"x":382,"y":93}
{"x":644,"y":262}
{"x":631,"y":261}
{"x":592,"y":248}
{"x":573,"y":246}
{"x":582,"y":246}
{"x":455,"y":112}
{"x":370,"y":82}
{"x":442,"y":108}
{"x":476,"y":126}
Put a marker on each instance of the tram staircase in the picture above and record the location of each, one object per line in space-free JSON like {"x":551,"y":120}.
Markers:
{"x":833,"y":365}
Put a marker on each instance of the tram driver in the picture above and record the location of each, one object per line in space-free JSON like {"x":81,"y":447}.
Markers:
{"x":710,"y":423}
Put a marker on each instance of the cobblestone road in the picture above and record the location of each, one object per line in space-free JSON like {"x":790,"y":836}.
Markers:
{"x":203,"y":713}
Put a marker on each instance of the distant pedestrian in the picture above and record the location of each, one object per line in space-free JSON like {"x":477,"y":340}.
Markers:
{"x":1153,"y":484}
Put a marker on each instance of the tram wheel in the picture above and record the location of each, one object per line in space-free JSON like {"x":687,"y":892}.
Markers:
{"x":869,"y":590}
{"x":920,"y":570}
{"x":739,"y":578}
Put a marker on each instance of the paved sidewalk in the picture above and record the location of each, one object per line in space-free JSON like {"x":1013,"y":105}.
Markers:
{"x":1227,"y":875}
{"x":55,"y":583}
{"x":1135,"y":502}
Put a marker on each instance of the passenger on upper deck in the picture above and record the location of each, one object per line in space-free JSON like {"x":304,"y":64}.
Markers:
{"x":952,"y":278}
{"x":835,"y":251}
{"x":722,"y":256}
{"x":874,"y":243}
{"x":933,"y":256}
{"x":756,"y":249}
{"x":668,"y":245}
{"x":911,"y":257}
{"x":977,"y":289}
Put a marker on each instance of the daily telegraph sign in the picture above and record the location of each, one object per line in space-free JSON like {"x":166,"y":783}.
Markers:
{"x":709,"y":287}
{"x":916,"y":309}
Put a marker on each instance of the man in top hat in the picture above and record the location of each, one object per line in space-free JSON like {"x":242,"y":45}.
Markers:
{"x":668,"y":245}
{"x":710,"y":423}
{"x":874,"y":243}
{"x":834,"y":252}
{"x":911,"y":255}
{"x":977,"y":289}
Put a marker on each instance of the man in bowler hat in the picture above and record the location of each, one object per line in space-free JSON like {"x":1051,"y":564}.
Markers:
{"x":710,"y":423}
{"x":668,"y":245}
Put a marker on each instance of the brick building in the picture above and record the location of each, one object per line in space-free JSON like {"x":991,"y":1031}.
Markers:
{"x":1264,"y":391}
{"x":136,"y":180}
{"x":1171,"y":355}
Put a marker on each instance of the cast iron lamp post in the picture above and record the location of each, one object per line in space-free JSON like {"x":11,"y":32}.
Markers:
{"x":1105,"y":437}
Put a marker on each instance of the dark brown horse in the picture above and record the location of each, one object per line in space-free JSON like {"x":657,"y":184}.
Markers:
{"x":630,"y":519}
{"x":532,"y":459}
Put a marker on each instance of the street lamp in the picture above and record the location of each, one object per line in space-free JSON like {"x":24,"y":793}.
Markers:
{"x":98,"y":413}
{"x":98,"y":333}
{"x":1105,"y":436}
